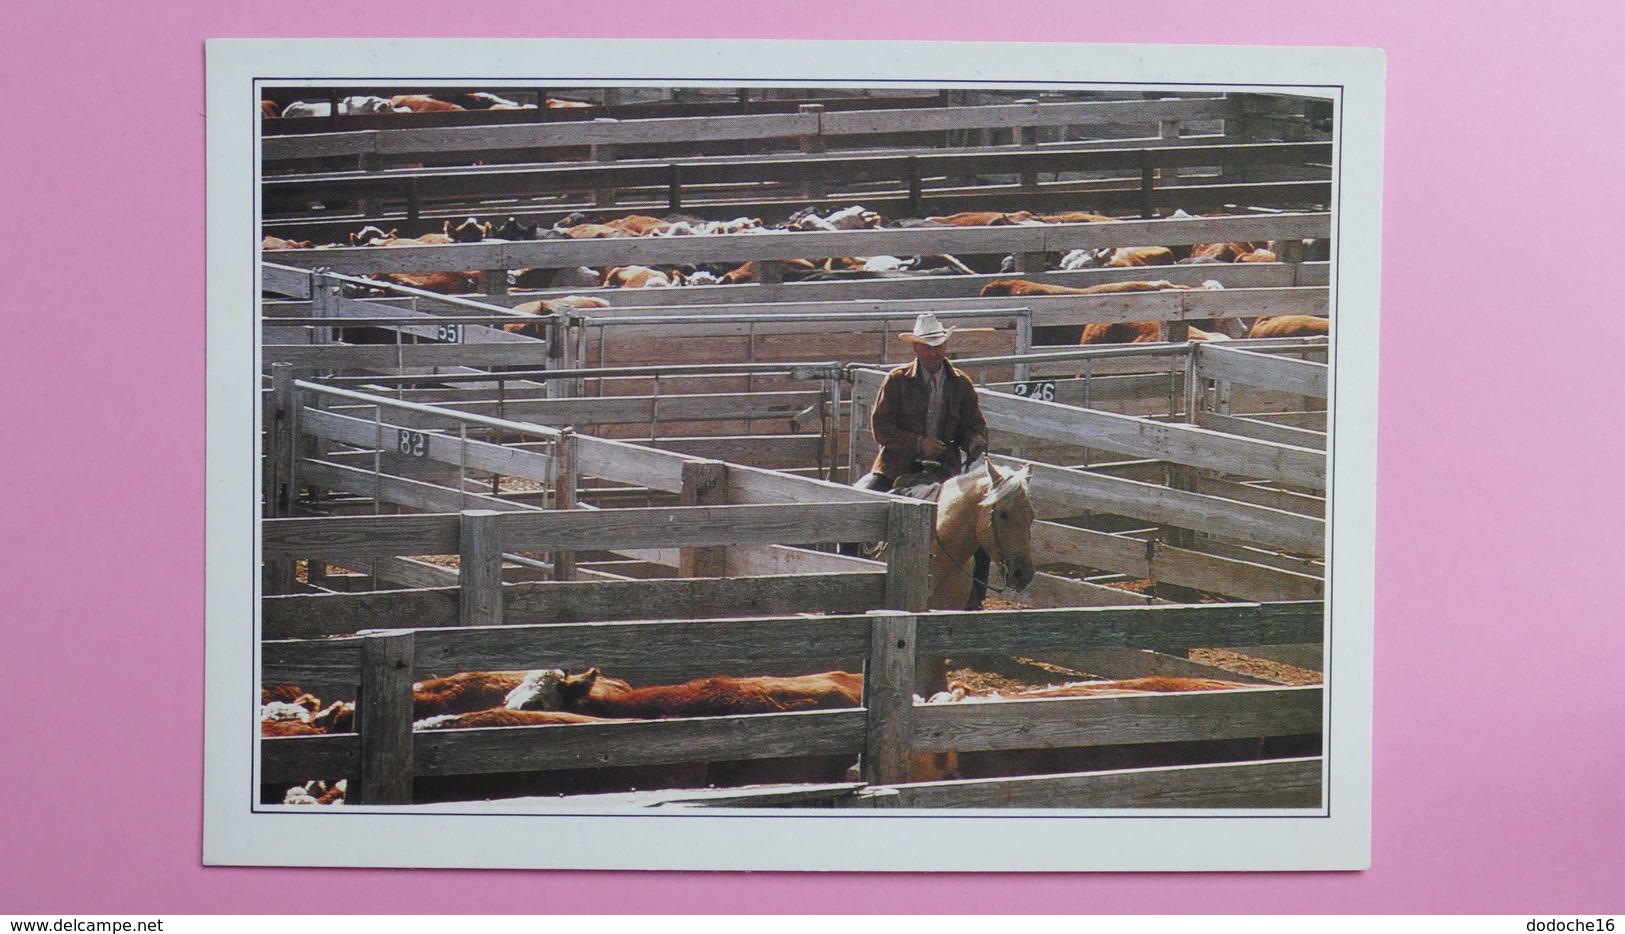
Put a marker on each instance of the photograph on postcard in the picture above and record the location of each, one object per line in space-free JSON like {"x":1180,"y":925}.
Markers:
{"x":831,"y":449}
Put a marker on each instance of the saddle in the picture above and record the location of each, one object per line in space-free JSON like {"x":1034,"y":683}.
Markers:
{"x":925,"y":483}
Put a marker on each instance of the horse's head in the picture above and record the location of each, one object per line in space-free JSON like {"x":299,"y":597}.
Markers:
{"x":1004,"y":524}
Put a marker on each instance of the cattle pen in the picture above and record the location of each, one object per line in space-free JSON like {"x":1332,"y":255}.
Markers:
{"x":520,"y":472}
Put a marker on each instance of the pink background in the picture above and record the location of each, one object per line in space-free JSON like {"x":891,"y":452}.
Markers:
{"x":1499,"y":758}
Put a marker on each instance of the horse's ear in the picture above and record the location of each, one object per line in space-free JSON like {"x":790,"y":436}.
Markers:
{"x":992,"y":471}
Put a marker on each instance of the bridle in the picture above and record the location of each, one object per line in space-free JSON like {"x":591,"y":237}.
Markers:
{"x":998,"y":548}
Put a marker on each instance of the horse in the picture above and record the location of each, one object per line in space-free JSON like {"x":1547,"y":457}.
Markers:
{"x":982,"y":513}
{"x":983,"y":516}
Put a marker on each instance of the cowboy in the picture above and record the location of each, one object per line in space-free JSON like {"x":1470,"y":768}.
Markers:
{"x":927,"y":413}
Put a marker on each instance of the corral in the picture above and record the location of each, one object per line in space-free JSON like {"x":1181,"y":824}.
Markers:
{"x":654,"y":481}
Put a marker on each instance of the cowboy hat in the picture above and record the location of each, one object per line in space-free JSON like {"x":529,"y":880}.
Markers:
{"x":928,"y":331}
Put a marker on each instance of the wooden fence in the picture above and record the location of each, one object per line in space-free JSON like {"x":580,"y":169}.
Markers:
{"x":1112,"y":180}
{"x":1231,"y":503}
{"x":403,"y":453}
{"x":1032,"y":243}
{"x":385,"y":755}
{"x":906,"y":294}
{"x":810,"y":121}
{"x":615,"y":103}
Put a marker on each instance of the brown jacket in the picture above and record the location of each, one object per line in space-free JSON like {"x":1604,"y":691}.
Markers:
{"x":898,"y":420}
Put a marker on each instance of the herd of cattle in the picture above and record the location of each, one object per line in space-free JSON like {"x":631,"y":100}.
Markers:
{"x":551,"y":697}
{"x":554,"y":698}
{"x":579,"y":226}
{"x":405,"y":104}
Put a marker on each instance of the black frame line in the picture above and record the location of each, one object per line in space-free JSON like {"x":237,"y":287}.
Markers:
{"x":767,"y":813}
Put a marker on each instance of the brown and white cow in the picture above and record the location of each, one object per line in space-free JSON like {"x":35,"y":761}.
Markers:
{"x":639,"y":225}
{"x":548,"y":307}
{"x":1291,"y":326}
{"x":640,"y":277}
{"x":984,"y":219}
{"x":441,"y":283}
{"x":468,"y":691}
{"x":469,"y":231}
{"x":421,"y":104}
{"x":599,"y":695}
{"x":277,"y":243}
{"x":1120,"y":332}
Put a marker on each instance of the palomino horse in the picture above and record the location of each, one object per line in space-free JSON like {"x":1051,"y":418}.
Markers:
{"x":980,"y":509}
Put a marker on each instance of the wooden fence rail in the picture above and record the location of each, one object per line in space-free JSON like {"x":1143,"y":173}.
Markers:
{"x":1025,"y":417}
{"x":1045,"y":238}
{"x":418,"y":188}
{"x":678,"y":130}
{"x":601,"y":102}
{"x":886,"y":731}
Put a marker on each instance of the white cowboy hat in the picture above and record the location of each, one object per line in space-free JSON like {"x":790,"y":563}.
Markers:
{"x":928,"y":331}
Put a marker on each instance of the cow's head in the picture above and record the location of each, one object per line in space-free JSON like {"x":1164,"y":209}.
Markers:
{"x":540,"y":690}
{"x":469,"y":231}
{"x":512,"y":229}
{"x":368,"y":234}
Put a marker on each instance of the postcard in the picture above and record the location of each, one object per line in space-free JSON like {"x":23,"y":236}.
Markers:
{"x":734,"y":455}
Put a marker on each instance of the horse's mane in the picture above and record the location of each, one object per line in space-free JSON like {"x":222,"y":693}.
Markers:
{"x":978,"y":471}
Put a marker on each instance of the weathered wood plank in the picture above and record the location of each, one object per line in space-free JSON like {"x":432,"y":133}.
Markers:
{"x":408,"y":572}
{"x":910,"y":295}
{"x":705,"y":483}
{"x":479,"y":569}
{"x":888,"y":696}
{"x":910,"y":527}
{"x":1137,"y":437}
{"x":693,"y":526}
{"x":766,"y":451}
{"x":400,"y":491}
{"x":1156,"y":560}
{"x":1285,"y":783}
{"x":695,"y":599}
{"x":383,"y":719}
{"x":325,"y":661}
{"x":1165,"y":628}
{"x":305,"y":758}
{"x":1282,"y":374}
{"x":642,"y":409}
{"x":1048,"y":238}
{"x":1120,"y":664}
{"x":1263,"y":431}
{"x":630,"y":463}
{"x":287,"y":193}
{"x":1241,"y":713}
{"x":633,"y":742}
{"x":1053,"y":591}
{"x":310,"y":616}
{"x":671,"y":130}
{"x":1060,"y":492}
{"x":361,"y":537}
{"x":784,"y":559}
{"x":1258,"y":494}
{"x":756,"y":485}
{"x":767,"y":797}
{"x":698,"y":647}
{"x":385,"y":435}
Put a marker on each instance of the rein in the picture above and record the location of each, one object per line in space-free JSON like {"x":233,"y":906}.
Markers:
{"x":998,"y":546}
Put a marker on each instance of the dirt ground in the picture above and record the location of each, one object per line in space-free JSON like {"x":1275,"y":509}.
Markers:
{"x":987,"y":675}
